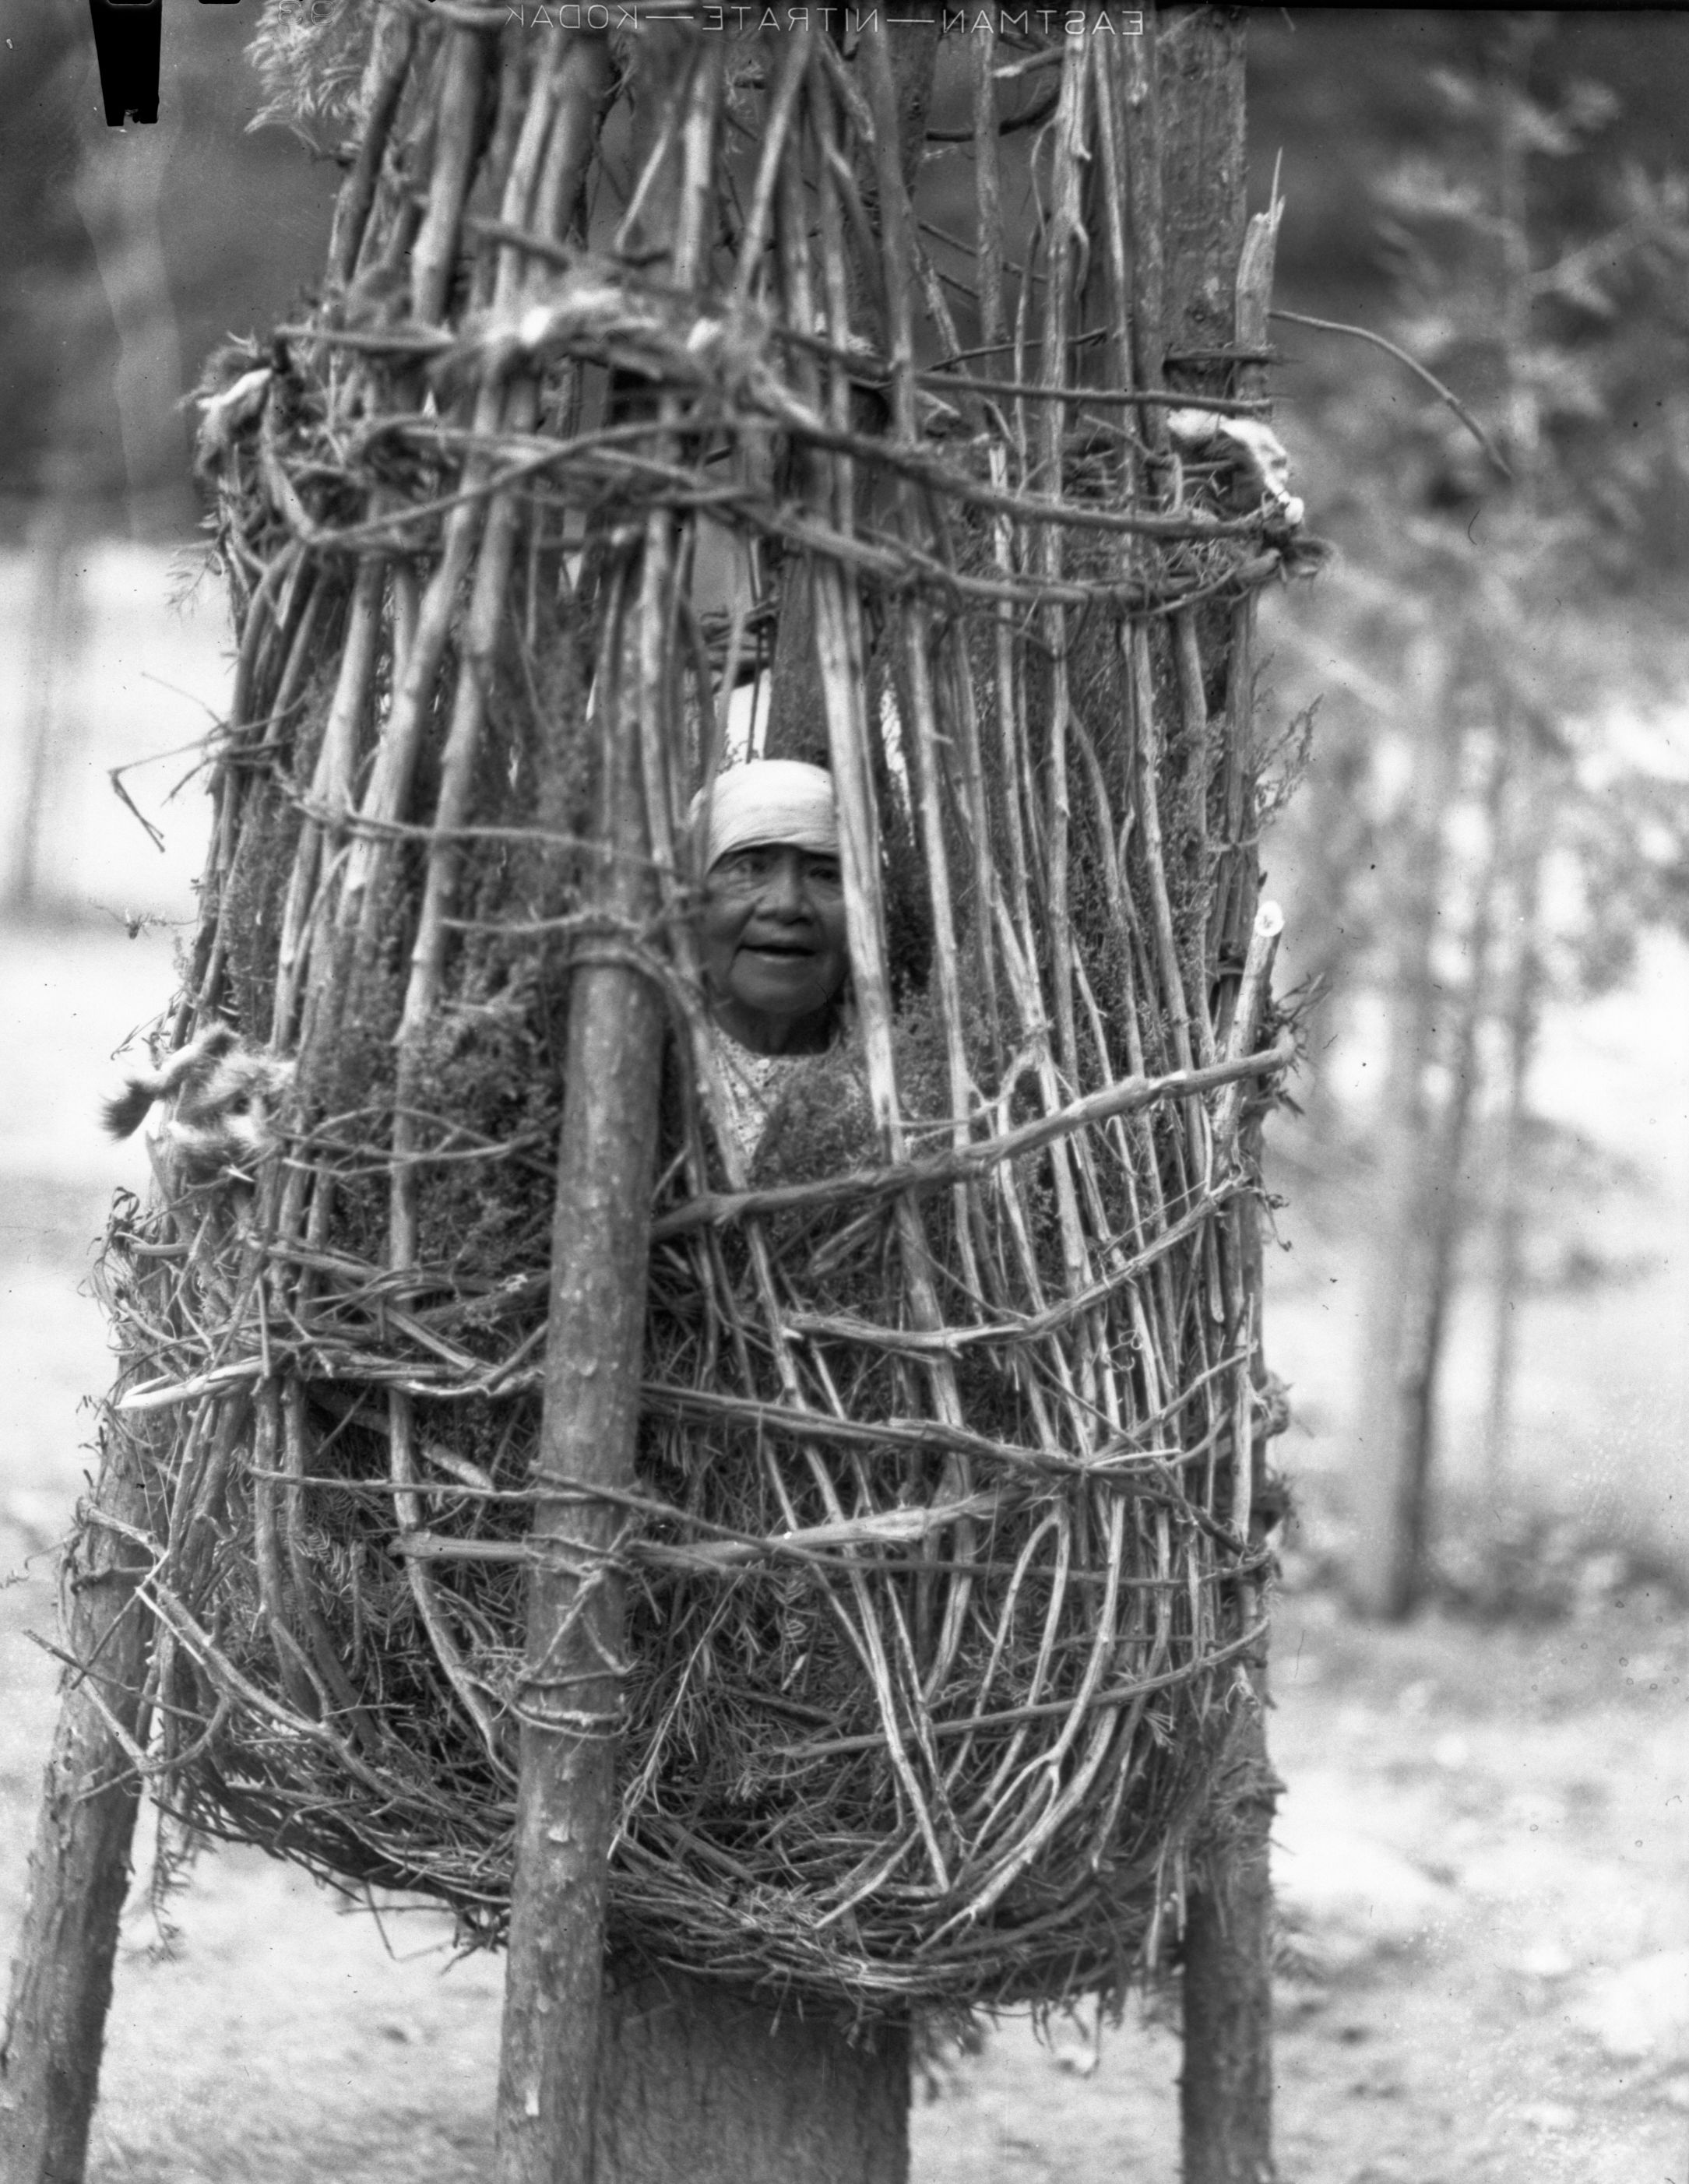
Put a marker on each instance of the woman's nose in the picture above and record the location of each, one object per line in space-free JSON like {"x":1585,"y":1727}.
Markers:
{"x":783,"y":893}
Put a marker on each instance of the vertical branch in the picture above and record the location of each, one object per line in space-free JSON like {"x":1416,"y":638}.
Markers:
{"x":570,"y":94}
{"x":794,"y":62}
{"x":1064,"y":242}
{"x":456,"y":145}
{"x":1146,"y":753}
{"x":1112,"y":262}
{"x":557,"y":109}
{"x":1142,"y":135}
{"x":1199,"y":58}
{"x":796,"y":719}
{"x":331,"y":791}
{"x":987,"y":178}
{"x":385,"y":73}
{"x":1234,"y":876}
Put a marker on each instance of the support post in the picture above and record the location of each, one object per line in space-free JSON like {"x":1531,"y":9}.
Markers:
{"x":700,"y":2083}
{"x":1225,"y":2089}
{"x":54,"y":2033}
{"x":569,"y":1700}
{"x":1210,"y":313}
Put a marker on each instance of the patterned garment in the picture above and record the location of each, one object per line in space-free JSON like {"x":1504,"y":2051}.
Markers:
{"x":752,"y":1086}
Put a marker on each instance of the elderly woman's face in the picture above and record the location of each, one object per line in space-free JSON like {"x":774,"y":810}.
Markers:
{"x":773,"y":944}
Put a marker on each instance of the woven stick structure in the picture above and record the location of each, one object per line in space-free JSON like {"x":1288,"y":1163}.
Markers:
{"x":640,"y":353}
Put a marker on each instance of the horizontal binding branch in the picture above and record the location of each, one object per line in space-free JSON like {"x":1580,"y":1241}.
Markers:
{"x":445,"y":1547}
{"x":941,"y":1170}
{"x":533,"y":457}
{"x":1110,"y":1464}
{"x":1116,"y":1695}
{"x":866,"y":369}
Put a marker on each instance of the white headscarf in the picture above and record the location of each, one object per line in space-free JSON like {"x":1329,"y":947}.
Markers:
{"x":768,"y":799}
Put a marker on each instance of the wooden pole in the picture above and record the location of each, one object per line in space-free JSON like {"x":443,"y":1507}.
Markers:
{"x":1225,"y":2090}
{"x":1209,"y":314}
{"x":1225,"y":2087}
{"x":54,"y":2032}
{"x":569,"y":1700}
{"x":698,"y":2083}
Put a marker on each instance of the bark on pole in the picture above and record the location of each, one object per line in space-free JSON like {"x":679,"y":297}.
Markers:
{"x":1210,"y":313}
{"x":700,"y":2083}
{"x":54,"y":2032}
{"x":571,"y":1697}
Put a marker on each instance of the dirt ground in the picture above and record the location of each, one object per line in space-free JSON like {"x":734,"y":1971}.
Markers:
{"x":1482,"y":1855}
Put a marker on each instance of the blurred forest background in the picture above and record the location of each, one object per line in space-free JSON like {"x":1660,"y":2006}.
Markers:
{"x":1486,"y":858}
{"x":1479,"y":746}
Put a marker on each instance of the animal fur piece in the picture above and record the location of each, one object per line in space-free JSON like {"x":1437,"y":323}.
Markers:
{"x":223,"y":1099}
{"x":223,"y":414}
{"x":1251,"y":448}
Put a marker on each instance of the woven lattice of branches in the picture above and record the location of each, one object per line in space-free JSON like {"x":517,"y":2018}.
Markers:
{"x":651,"y":378}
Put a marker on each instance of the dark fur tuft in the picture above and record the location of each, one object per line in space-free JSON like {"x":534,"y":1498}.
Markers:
{"x":196,"y":1058}
{"x":125,"y":1114}
{"x":221,"y":1098}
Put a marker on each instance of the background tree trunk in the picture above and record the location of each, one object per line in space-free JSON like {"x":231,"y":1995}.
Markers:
{"x":117,"y":192}
{"x":1522,"y":1013}
{"x":1385,"y":1567}
{"x":1479,"y":716}
{"x":55,"y":545}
